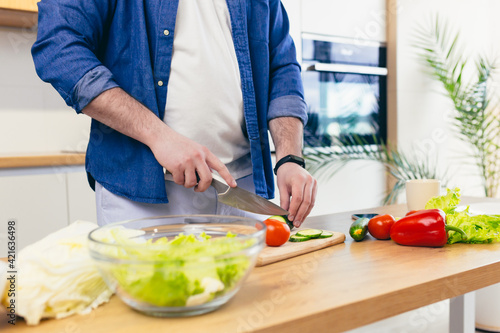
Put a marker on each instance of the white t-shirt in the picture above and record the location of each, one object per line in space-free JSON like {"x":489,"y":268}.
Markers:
{"x":204,"y":99}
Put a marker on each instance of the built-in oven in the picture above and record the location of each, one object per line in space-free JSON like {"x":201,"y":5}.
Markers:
{"x":345,"y":88}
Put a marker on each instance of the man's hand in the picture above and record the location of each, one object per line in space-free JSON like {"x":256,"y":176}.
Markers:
{"x":184,"y":158}
{"x":295,"y":182}
{"x":178,"y":154}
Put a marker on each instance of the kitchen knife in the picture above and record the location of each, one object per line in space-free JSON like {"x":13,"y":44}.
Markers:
{"x":242,"y":199}
{"x":245,"y":200}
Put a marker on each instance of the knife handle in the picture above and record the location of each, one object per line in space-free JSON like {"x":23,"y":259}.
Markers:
{"x":219,"y":186}
{"x":196,"y":173}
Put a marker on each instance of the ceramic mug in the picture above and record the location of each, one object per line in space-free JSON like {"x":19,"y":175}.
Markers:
{"x":419,"y":191}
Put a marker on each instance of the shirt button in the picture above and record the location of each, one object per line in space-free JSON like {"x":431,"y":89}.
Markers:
{"x":160,"y":83}
{"x":166,"y":32}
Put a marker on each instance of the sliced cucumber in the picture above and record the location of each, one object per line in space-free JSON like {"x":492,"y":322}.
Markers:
{"x":311,"y":233}
{"x":284,"y":219}
{"x":296,"y":238}
{"x":278,"y":217}
{"x":326,"y":234}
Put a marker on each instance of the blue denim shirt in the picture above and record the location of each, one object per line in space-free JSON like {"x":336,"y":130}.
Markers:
{"x":85,"y":47}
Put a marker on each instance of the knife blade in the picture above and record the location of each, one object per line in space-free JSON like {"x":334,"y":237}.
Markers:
{"x":241,"y":199}
{"x":245,"y":200}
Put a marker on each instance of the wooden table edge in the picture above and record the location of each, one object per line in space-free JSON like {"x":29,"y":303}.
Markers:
{"x":42,"y":160}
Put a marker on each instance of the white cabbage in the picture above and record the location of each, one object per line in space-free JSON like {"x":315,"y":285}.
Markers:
{"x":57,"y":278}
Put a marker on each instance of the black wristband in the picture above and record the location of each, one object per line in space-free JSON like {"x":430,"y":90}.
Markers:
{"x":289,"y":158}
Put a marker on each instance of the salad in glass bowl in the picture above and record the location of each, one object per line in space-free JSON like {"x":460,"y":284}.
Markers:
{"x":177,"y":265}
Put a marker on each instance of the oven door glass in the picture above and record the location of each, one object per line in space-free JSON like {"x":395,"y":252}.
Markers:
{"x":341,"y":105}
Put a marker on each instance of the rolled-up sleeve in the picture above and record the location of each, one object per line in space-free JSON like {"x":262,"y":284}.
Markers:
{"x":91,"y":85}
{"x":69,"y":37}
{"x":288,"y":106}
{"x":286,"y":93}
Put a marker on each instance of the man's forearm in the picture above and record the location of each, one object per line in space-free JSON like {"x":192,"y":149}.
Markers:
{"x":297,"y":188}
{"x":287,"y":134}
{"x":118,"y":110}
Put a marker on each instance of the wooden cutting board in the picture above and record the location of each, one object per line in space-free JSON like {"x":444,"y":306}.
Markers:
{"x":288,"y":250}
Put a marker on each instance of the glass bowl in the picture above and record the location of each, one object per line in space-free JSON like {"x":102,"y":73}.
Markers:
{"x":177,"y":265}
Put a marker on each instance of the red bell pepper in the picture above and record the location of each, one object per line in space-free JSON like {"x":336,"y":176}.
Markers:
{"x":423,"y":228}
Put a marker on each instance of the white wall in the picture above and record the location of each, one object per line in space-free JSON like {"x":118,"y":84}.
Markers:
{"x":33,"y":117}
{"x":423,"y":110}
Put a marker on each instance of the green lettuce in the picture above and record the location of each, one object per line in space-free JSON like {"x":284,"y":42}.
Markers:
{"x":479,"y":228}
{"x":172,"y":272}
{"x":448,"y":203}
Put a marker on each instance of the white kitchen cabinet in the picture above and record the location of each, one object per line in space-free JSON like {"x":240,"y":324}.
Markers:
{"x":359,"y":19}
{"x":81,"y":198}
{"x":37,"y":203}
{"x":42,"y":202}
{"x":294,"y":12}
{"x":359,"y":185}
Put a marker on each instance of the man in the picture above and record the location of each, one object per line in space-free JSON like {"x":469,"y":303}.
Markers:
{"x":189,"y":86}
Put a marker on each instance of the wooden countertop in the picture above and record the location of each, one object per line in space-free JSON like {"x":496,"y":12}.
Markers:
{"x":42,"y":160}
{"x":331,"y":290}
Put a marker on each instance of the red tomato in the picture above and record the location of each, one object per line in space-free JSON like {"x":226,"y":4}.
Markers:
{"x":380,"y":226}
{"x":277,"y":232}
